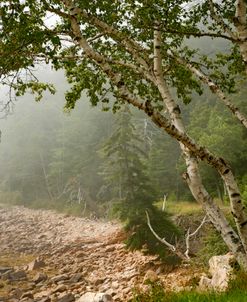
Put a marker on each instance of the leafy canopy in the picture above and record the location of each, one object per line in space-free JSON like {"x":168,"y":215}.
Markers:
{"x":118,"y":33}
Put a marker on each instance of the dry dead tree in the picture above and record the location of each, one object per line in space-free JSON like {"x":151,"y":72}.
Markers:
{"x":174,"y":248}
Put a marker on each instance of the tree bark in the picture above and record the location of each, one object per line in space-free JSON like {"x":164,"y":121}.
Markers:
{"x":241,"y":28}
{"x":193,"y":176}
{"x":216,"y":90}
{"x":240,"y":35}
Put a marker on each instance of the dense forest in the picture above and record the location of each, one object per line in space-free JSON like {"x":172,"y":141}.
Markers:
{"x":52,"y":155}
{"x":58,"y":158}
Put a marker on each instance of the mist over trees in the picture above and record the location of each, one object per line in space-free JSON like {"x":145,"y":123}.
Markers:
{"x":48,"y":153}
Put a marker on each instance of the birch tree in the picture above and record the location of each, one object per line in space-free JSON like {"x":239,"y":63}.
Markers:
{"x":217,"y":20}
{"x":122,"y":50}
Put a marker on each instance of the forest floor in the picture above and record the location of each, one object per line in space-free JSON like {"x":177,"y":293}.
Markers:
{"x":46,"y":256}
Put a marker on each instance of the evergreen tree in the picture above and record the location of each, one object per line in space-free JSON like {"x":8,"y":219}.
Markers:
{"x":130,"y":188}
{"x":166,"y":179}
{"x":74,"y":165}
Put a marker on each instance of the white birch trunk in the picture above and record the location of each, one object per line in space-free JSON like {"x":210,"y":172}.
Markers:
{"x":240,"y":35}
{"x":241,"y":28}
{"x":193,"y":176}
{"x":216,"y":90}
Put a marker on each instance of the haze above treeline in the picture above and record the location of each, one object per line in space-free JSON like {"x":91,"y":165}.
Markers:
{"x":49,"y":156}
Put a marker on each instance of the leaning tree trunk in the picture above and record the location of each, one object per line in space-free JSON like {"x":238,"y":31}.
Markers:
{"x":192,"y":176}
{"x":239,"y":36}
{"x":217,"y":91}
{"x":240,"y":23}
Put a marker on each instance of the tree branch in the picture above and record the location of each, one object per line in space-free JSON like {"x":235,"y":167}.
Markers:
{"x":215,"y":90}
{"x":198,"y":34}
{"x":219,"y":20}
{"x":162,"y":240}
{"x":189,"y":235}
{"x":240,"y":15}
{"x":173,"y":248}
{"x":136,"y":50}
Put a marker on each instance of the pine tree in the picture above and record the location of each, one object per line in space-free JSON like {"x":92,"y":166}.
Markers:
{"x":129,"y":187}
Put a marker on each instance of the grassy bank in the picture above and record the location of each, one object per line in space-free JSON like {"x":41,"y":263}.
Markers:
{"x":237,"y":292}
{"x":233,"y":296}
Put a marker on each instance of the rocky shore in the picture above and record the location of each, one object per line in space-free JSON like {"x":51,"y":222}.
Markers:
{"x":45,"y":256}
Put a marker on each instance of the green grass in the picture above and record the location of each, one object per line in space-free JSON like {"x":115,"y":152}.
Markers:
{"x":157,"y":294}
{"x":181,"y":207}
{"x":184,"y":207}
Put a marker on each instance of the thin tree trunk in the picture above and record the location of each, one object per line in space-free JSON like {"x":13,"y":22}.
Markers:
{"x":241,"y":28}
{"x":216,"y":90}
{"x":45,"y":177}
{"x":192,"y":176}
{"x":240,"y":35}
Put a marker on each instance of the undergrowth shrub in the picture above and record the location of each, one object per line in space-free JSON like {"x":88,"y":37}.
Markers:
{"x":140,"y":236}
{"x":213,"y":245}
{"x":11,"y":198}
{"x":239,"y":282}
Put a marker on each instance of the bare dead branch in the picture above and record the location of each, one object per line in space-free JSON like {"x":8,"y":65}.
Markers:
{"x":162,"y":240}
{"x":189,"y":235}
{"x":173,"y":248}
{"x":164,"y":202}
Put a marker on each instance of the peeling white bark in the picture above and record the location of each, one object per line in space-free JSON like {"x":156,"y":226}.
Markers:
{"x":215,"y":214}
{"x":237,"y":207}
{"x":240,"y":34}
{"x":241,"y":28}
{"x":193,"y":175}
{"x":216,"y":90}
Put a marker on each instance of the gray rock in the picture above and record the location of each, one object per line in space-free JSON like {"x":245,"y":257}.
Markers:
{"x":221,"y":270}
{"x":76,"y":278}
{"x":58,"y":278}
{"x":95,"y":297}
{"x":27,"y":295}
{"x":27,"y":300}
{"x":205,"y":283}
{"x":4,"y":269}
{"x":39,"y":277}
{"x":150,"y":275}
{"x":44,"y":299}
{"x":66,"y":298}
{"x":16,"y":293}
{"x":36,"y":264}
{"x":15,"y":276}
{"x":60,"y":288}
